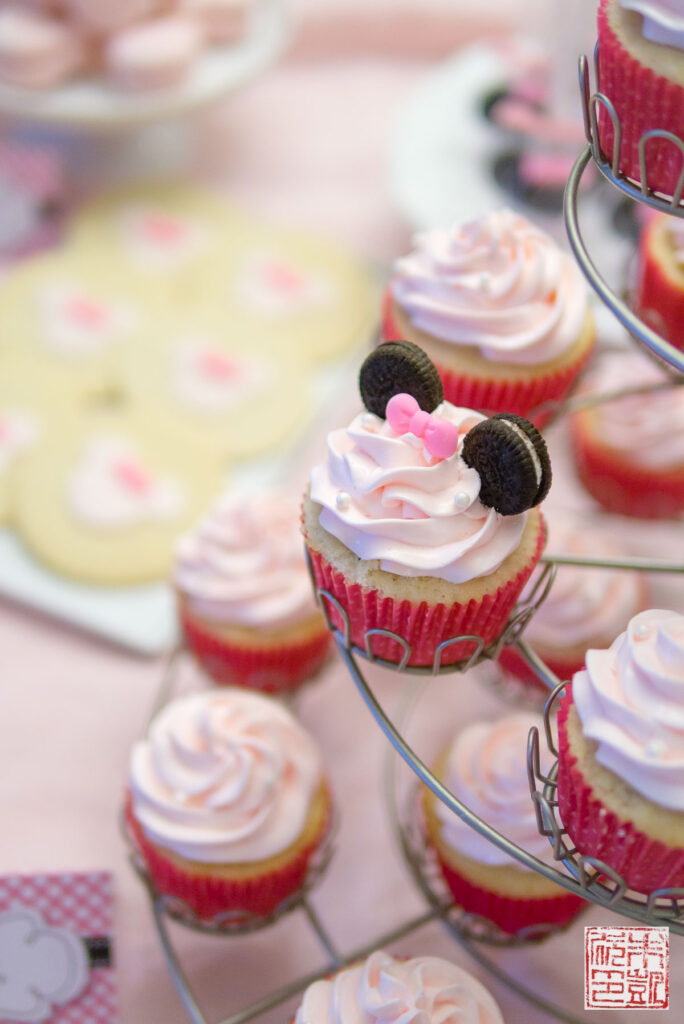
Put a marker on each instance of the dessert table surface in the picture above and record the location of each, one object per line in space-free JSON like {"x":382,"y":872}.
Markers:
{"x":307,"y":144}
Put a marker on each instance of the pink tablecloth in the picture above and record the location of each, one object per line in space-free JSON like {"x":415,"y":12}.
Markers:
{"x":306,"y":144}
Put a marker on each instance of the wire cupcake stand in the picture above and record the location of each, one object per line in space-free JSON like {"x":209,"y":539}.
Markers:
{"x":585,"y":876}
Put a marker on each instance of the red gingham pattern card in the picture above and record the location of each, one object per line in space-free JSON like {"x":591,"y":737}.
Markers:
{"x":54,"y":962}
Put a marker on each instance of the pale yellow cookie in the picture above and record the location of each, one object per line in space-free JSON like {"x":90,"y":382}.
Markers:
{"x":104,"y":497}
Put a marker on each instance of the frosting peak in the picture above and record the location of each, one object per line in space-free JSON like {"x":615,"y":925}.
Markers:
{"x":498,"y":284}
{"x":424,"y":990}
{"x":224,"y":777}
{"x":630,"y":699}
{"x":386,"y":497}
{"x":244,"y":563}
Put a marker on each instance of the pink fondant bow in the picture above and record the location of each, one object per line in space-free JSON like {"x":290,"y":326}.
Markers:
{"x":405,"y":416}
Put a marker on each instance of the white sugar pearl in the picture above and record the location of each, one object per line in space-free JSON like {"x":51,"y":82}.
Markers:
{"x":369,"y":421}
{"x":485,"y":280}
{"x":641,"y":630}
{"x":179,"y":797}
{"x":461,"y":500}
{"x":343,"y":500}
{"x":655,"y":748}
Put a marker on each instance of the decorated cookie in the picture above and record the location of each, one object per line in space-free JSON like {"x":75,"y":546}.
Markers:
{"x":510,"y":455}
{"x":116,"y":490}
{"x":73,"y":319}
{"x":395,"y":367}
{"x":235,"y":398}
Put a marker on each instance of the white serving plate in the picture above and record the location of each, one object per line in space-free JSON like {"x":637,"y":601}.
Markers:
{"x":94,"y":104}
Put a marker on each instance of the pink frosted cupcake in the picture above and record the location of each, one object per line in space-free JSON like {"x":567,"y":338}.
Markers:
{"x":499,"y":308}
{"x":227,"y":802}
{"x":424,"y":522}
{"x":584,"y":608}
{"x":485,"y":767}
{"x":621,"y":747}
{"x":385,"y":990}
{"x":659,"y":292}
{"x":641,"y":71}
{"x":629,"y":452}
{"x":244,"y":595}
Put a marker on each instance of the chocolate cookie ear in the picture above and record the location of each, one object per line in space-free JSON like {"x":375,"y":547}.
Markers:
{"x":510,"y":455}
{"x":395,"y":367}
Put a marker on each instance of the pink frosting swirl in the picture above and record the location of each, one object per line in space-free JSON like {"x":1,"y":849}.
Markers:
{"x":497,"y":284}
{"x":244,"y":563}
{"x":424,"y":990}
{"x":386,"y":498}
{"x":663,"y":20}
{"x":630,"y":701}
{"x":647,"y":428}
{"x":224,"y":777}
{"x":486,"y":769}
{"x":583,"y":603}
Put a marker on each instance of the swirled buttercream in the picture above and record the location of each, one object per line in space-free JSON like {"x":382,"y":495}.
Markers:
{"x":244,"y":563}
{"x":486,"y":769}
{"x":647,"y":428}
{"x":663,"y":20}
{"x":224,"y":778}
{"x":583,"y":603}
{"x":630,"y":699}
{"x":423,"y":990}
{"x":498,"y":284}
{"x":386,"y":498}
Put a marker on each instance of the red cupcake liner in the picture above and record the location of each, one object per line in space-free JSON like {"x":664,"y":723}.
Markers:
{"x":657,"y":298}
{"x":489,"y":396}
{"x":626,"y":489}
{"x":510,"y":913}
{"x":267,"y":669}
{"x":209,"y":896}
{"x":423,"y":625}
{"x":512,"y":661}
{"x":643,"y":100}
{"x":644,"y":863}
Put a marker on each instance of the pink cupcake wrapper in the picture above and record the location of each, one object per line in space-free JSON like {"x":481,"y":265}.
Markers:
{"x":268,"y":669}
{"x":209,"y":896}
{"x":423,"y":625}
{"x":644,"y":863}
{"x":657,"y":298}
{"x":643,"y":100}
{"x":619,"y":487}
{"x":510,"y":913}
{"x":490,"y":396}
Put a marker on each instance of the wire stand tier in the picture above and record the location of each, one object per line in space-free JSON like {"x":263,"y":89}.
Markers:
{"x":640,"y":192}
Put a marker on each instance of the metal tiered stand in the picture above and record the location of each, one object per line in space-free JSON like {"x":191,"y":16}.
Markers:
{"x":585,"y":876}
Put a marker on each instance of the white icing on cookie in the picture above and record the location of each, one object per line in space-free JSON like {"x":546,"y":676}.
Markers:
{"x":18,"y":430}
{"x":272,"y":286}
{"x":78,"y":323}
{"x":157,"y":241}
{"x":210,"y":380}
{"x":111,"y":487}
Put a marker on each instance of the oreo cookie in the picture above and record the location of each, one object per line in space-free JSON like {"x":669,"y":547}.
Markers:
{"x":511,"y":458}
{"x":395,"y":367}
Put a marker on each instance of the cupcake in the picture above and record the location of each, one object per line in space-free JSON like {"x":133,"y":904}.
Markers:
{"x":621,"y":754}
{"x":485,"y":768}
{"x":500,"y":309}
{"x":227,"y":802}
{"x":245,"y":602}
{"x":659,"y":292}
{"x":641,"y":72}
{"x":629,"y":452}
{"x":385,"y":990}
{"x":423,"y":518}
{"x":584,"y":608}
